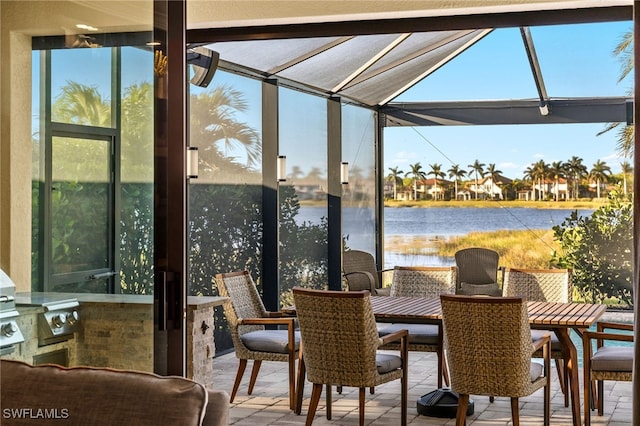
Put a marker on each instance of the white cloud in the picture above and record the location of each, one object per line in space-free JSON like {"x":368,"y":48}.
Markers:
{"x":508,"y":165}
{"x":613,"y":158}
{"x":404,"y":157}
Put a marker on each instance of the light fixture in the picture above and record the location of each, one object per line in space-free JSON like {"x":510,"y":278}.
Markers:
{"x":86,"y":27}
{"x":192,"y":162}
{"x":204,"y":63}
{"x":344,"y":173}
{"x":281,"y":168}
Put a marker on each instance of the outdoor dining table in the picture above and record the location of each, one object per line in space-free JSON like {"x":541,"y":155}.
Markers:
{"x":558,"y":317}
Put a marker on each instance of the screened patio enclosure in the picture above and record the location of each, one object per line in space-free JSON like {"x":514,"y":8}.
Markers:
{"x":373,"y":70}
{"x":338,"y":78}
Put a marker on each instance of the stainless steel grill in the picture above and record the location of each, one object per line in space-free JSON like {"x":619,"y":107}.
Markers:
{"x":10,"y":334}
{"x":60,"y":317}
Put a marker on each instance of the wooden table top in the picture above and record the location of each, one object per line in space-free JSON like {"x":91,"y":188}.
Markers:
{"x":541,"y":314}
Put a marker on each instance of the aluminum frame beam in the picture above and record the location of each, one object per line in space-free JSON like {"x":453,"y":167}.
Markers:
{"x":524,"y":111}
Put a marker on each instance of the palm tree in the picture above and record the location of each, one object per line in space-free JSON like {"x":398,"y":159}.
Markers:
{"x":514,"y":186}
{"x":81,"y":104}
{"x":577,"y":171}
{"x":557,"y":171}
{"x":416,"y":173}
{"x":436,"y":171}
{"x":456,"y":173}
{"x":626,"y":134}
{"x":627,"y":169}
{"x":477,"y":168}
{"x":600,"y":172}
{"x":213,"y":123}
{"x":395,"y":176}
{"x":137,"y":133}
{"x":494,"y":174}
{"x":529,"y":174}
{"x":538,"y":172}
{"x":296,"y":173}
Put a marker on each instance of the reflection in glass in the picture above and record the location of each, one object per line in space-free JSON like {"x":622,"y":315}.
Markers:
{"x":80,"y":198}
{"x":225,"y":201}
{"x":358,"y":197}
{"x":136,"y":172}
{"x":303,"y":197}
{"x":81,"y":94}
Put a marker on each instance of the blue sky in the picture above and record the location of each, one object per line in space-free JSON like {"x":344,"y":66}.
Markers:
{"x":576,"y":60}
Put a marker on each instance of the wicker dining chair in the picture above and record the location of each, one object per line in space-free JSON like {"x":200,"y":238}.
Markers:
{"x":477,"y":272}
{"x":608,"y":362}
{"x":489,"y":351}
{"x":429,"y":282}
{"x":361,"y":272}
{"x":543,"y":285}
{"x":247,"y":318}
{"x":340,"y":346}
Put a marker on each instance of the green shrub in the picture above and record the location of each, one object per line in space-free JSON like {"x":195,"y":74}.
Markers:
{"x":599,"y":250}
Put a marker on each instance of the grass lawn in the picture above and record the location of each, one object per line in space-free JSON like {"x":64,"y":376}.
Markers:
{"x":579,"y":204}
{"x":517,"y":249}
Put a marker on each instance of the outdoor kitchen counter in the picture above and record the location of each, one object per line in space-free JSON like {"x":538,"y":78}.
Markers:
{"x":117,"y":331}
{"x":196,"y":302}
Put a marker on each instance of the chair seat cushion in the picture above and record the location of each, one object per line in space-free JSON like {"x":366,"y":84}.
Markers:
{"x":555,"y":343}
{"x":489,"y":289}
{"x":385,"y":291}
{"x":387,"y":362}
{"x":425,"y":334}
{"x":536,"y":370}
{"x":269,"y":340}
{"x":613,"y":358}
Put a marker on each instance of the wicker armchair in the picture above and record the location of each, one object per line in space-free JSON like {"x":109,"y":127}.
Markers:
{"x":489,"y":350}
{"x":247,"y":318}
{"x":426,"y":281}
{"x":340,"y":344}
{"x":477,"y":272}
{"x":361,"y":273}
{"x":608,"y":362}
{"x":543,"y":285}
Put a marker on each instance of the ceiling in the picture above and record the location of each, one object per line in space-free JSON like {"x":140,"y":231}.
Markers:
{"x":369,"y":69}
{"x":374,"y":69}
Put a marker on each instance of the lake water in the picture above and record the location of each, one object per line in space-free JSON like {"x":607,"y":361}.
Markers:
{"x":445,"y":222}
{"x":449,"y":221}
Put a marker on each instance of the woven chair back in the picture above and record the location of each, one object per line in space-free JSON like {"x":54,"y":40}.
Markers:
{"x":423,"y":281}
{"x":477,"y":265}
{"x":488,"y":344}
{"x":540,"y":285}
{"x":339,"y":336}
{"x":245,"y":300}
{"x":360,"y":261}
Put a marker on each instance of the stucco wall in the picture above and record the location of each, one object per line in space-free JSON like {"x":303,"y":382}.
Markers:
{"x":15,"y":150}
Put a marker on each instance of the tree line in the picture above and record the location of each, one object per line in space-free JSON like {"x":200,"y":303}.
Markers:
{"x":537,"y":176}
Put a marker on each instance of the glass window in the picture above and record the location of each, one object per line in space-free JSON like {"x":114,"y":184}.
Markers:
{"x":358,"y":197}
{"x":81,"y":203}
{"x":225,"y":201}
{"x":81,"y":93}
{"x":136,"y":172}
{"x":303,"y":196}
